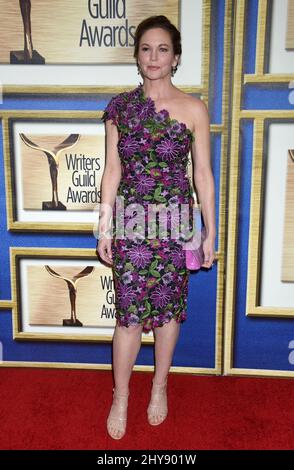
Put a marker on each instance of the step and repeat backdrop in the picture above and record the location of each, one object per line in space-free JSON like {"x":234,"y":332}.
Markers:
{"x":60,"y":64}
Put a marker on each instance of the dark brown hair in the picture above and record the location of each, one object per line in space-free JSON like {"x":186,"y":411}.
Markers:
{"x":159,"y":21}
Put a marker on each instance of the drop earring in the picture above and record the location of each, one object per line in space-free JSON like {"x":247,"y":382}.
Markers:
{"x":139,"y":69}
{"x":173,"y":70}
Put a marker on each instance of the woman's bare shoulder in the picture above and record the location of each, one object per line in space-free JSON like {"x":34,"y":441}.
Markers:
{"x":192,"y":101}
{"x":195,"y":108}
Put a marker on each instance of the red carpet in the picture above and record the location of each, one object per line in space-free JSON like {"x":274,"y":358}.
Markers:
{"x":67,"y":409}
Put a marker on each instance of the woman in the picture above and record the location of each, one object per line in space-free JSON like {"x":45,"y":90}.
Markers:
{"x":149,"y":132}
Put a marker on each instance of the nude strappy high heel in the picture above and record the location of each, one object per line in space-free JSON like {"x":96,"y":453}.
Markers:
{"x":117,"y":420}
{"x":157,"y":410}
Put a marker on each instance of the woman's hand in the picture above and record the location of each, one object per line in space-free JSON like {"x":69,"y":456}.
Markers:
{"x":104,"y":250}
{"x":209,"y":254}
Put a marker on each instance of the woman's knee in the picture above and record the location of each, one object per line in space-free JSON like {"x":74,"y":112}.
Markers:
{"x":131,"y":329}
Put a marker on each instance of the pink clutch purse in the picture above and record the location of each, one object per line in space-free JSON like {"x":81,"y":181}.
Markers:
{"x":195,"y":257}
{"x":194,"y":248}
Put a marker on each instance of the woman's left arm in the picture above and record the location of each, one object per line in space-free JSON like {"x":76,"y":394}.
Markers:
{"x":203,"y":177}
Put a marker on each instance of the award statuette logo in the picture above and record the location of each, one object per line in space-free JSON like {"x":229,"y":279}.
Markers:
{"x":72,"y":288}
{"x":28,"y":55}
{"x":53,"y":160}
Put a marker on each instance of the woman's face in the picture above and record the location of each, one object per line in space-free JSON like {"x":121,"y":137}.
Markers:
{"x":155,"y":53}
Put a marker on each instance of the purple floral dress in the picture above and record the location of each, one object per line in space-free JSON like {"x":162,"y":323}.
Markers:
{"x":149,"y":272}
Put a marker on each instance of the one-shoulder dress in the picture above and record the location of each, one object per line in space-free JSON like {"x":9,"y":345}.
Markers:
{"x":149,"y":269}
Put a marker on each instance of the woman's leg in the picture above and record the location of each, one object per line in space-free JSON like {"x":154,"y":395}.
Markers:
{"x":126,"y":345}
{"x":166,"y":338}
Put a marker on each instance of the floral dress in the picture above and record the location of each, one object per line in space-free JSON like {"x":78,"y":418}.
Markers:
{"x":149,"y":270}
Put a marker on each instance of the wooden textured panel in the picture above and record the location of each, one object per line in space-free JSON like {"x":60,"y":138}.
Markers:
{"x":288,"y":238}
{"x":290,"y":25}
{"x":64,"y":31}
{"x":49,"y":301}
{"x":79,"y":173}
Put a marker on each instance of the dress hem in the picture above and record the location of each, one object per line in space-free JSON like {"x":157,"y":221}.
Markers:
{"x":149,"y":324}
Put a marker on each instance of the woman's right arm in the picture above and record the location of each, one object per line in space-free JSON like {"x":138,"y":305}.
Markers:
{"x":109,"y":185}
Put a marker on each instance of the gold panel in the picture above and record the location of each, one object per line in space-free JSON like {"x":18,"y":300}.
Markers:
{"x":60,"y":303}
{"x":290,"y":25}
{"x":80,"y":169}
{"x":41,"y":185}
{"x":288,"y":242}
{"x":67,"y":32}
